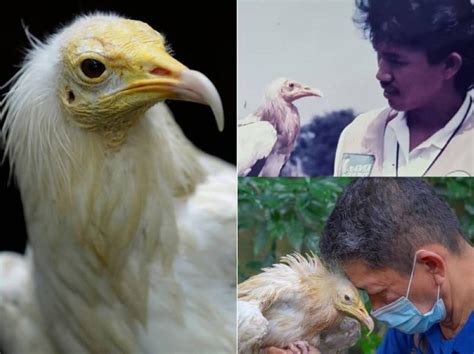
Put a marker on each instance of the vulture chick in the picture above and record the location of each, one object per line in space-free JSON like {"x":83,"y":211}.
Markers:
{"x":267,"y":137}
{"x":131,"y":228}
{"x":297,"y":301}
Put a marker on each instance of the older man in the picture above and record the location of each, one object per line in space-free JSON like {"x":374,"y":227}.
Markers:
{"x":396,"y":239}
{"x":425,"y":53}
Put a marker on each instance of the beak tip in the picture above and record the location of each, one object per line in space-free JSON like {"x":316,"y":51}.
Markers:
{"x":370,"y":326}
{"x":203,"y":91}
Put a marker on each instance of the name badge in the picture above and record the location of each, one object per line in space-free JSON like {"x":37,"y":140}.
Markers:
{"x":357,"y":165}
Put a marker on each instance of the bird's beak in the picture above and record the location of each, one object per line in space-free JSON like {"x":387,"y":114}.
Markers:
{"x":313,"y":92}
{"x":169,"y":79}
{"x":308,"y":91}
{"x":359,"y":312}
{"x":196,"y":87}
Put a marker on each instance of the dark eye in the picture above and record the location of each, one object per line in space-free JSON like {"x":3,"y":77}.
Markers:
{"x":347,"y":297}
{"x":291,"y":85}
{"x":92,"y":68}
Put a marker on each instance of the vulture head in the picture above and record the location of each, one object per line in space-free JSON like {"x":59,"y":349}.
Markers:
{"x":348,"y":301}
{"x":289,"y":90}
{"x":108,"y":74}
{"x":105,"y":72}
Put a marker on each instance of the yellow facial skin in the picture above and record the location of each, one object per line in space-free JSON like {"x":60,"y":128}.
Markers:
{"x":138,"y":72}
{"x":353,"y":306}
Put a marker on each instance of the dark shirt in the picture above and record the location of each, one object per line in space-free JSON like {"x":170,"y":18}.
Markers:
{"x":432,"y":342}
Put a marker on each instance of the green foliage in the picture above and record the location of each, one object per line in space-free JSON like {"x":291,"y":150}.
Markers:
{"x":459,"y":194}
{"x":280,"y":215}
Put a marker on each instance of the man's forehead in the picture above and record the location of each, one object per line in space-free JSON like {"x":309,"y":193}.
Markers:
{"x":365,"y":277}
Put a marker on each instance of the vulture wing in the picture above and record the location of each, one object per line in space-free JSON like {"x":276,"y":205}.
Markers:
{"x":252,"y":326}
{"x":20,"y":331}
{"x":199,"y":297}
{"x":255,"y":142}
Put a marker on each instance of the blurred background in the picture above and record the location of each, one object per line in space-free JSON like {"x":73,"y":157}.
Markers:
{"x":280,"y":215}
{"x":194,"y":31}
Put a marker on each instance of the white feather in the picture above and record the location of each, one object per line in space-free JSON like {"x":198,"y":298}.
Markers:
{"x":252,"y":325}
{"x":255,"y":142}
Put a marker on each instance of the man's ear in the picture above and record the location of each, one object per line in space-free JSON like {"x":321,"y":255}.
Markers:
{"x":452,"y":65}
{"x":433,"y":263}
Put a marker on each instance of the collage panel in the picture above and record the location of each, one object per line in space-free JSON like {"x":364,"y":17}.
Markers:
{"x":355,"y":265}
{"x":118,"y":188}
{"x":355,"y":88}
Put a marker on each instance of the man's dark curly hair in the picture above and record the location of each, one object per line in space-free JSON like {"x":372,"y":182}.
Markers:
{"x":438,"y":27}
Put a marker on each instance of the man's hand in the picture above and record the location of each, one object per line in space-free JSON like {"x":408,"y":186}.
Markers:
{"x":300,"y":347}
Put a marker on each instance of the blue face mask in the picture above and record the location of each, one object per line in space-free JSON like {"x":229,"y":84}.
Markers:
{"x":403,"y":314}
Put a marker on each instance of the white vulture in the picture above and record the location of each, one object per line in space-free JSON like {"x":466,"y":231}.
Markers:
{"x":131,"y":228}
{"x":266,"y":138}
{"x":299,"y":302}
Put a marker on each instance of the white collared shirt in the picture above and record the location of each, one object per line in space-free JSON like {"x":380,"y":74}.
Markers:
{"x":417,"y":161}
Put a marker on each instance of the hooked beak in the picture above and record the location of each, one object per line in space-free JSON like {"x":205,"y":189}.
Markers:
{"x":308,"y":91}
{"x":359,"y":312}
{"x":196,"y":87}
{"x":169,"y":79}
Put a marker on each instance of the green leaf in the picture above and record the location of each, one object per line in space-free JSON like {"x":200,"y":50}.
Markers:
{"x":261,"y":240}
{"x":295,"y":234}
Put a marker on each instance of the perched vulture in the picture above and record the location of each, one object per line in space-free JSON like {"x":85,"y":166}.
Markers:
{"x":266,"y":138}
{"x":299,"y":301}
{"x":131,"y":228}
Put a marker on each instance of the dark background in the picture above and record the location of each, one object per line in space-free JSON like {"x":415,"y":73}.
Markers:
{"x":202,"y":35}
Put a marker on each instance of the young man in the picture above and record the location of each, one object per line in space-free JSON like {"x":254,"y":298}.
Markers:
{"x":397,"y":240}
{"x":425,"y":52}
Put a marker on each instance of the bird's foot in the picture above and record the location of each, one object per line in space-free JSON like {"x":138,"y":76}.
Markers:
{"x":301,"y":347}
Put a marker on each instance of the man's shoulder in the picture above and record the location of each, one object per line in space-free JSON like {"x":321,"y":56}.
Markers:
{"x":365,"y":123}
{"x":366,"y":118}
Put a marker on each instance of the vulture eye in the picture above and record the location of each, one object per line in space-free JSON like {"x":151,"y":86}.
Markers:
{"x":347,"y":297}
{"x":291,"y":85}
{"x":92,"y":68}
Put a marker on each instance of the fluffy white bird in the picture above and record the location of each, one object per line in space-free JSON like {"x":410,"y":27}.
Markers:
{"x":298,"y":301}
{"x":267,"y":137}
{"x":131,"y":228}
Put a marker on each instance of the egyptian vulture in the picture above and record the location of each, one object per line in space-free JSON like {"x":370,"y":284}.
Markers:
{"x":299,"y":302}
{"x":131,"y":228}
{"x":266,"y":138}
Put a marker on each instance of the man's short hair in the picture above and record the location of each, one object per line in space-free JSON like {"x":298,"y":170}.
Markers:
{"x":438,"y":27}
{"x":383,"y":221}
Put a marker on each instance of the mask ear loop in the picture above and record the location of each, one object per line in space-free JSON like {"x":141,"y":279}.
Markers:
{"x":412,"y":272}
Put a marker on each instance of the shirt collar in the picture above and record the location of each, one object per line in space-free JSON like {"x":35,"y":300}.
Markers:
{"x":398,"y":125}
